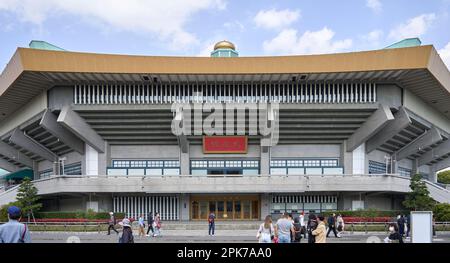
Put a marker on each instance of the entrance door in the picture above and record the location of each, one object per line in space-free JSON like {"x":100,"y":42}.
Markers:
{"x":225,"y":207}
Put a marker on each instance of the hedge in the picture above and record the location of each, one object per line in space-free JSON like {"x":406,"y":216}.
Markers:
{"x":78,"y":215}
{"x":367,"y":213}
{"x":444,"y":177}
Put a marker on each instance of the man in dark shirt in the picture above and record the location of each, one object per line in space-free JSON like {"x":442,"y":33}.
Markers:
{"x":211,"y":223}
{"x":332,"y":225}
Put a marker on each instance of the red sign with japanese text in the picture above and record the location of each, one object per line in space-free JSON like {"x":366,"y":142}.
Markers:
{"x":224,"y":144}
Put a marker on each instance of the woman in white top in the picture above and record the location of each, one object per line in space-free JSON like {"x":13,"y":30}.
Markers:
{"x":266,"y":231}
{"x":340,"y":224}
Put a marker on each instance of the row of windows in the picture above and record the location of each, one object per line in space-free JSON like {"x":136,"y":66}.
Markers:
{"x":304,"y":163}
{"x":69,"y":169}
{"x":377,"y":167}
{"x":224,"y":164}
{"x":404,"y":171}
{"x":145,"y":163}
{"x":143,"y":171}
{"x":307,"y":170}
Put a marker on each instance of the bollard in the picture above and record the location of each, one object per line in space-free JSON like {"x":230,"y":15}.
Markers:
{"x":365,"y":226}
{"x":98,"y":228}
{"x":353,"y":228}
{"x":85,"y":227}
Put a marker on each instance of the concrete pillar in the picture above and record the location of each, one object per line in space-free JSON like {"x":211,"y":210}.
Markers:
{"x":265,"y":161}
{"x":91,"y":156}
{"x":184,"y":207}
{"x":394,"y":164}
{"x":415,"y":167}
{"x":346,"y":159}
{"x":104,"y":159}
{"x":35,"y":170}
{"x":265,"y":205}
{"x":359,"y":160}
{"x":185,"y":162}
{"x":56,"y":168}
{"x":432,"y":177}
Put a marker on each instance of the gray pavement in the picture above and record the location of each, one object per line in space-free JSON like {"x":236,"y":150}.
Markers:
{"x":222,"y":236}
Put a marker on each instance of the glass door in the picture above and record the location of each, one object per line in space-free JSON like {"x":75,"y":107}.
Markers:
{"x":220,"y":209}
{"x":229,"y":210}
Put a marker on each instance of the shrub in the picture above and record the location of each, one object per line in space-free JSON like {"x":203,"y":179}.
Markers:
{"x":4,"y":211}
{"x":77,"y":215}
{"x":442,"y":212}
{"x":444,"y":177}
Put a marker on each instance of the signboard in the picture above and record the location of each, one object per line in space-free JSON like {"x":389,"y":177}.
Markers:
{"x":225,"y":144}
{"x":421,"y":227}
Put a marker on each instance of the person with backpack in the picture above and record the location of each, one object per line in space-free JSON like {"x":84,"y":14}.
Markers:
{"x":13,"y":231}
{"x":112,"y":223}
{"x":150,"y":224}
{"x":127,"y":232}
{"x":211,"y":223}
{"x":297,"y":231}
{"x":332,"y":225}
{"x":311,"y":226}
{"x":266,"y":231}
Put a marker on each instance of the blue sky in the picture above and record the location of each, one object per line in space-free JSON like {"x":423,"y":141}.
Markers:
{"x":191,"y":27}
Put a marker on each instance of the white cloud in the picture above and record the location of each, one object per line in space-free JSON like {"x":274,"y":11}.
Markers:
{"x":374,"y":35}
{"x":162,"y":19}
{"x":276,"y":19}
{"x":414,"y":27}
{"x":375,"y":5}
{"x":445,"y":54}
{"x":235,"y":25}
{"x":311,"y":42}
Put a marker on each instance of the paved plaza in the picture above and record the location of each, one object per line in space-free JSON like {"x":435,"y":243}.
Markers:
{"x":190,"y":236}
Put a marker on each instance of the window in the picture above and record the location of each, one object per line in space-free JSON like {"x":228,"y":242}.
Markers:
{"x":219,"y":167}
{"x":404,"y":171}
{"x":72,"y":169}
{"x":145,"y":167}
{"x":377,"y":167}
{"x":305,"y":166}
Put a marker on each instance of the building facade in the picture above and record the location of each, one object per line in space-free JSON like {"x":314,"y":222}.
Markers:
{"x":97,"y":131}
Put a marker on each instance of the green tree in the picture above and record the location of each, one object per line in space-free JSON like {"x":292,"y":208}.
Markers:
{"x":4,"y":211}
{"x":419,"y":198}
{"x":442,"y":212}
{"x":444,"y":177}
{"x":28,"y":198}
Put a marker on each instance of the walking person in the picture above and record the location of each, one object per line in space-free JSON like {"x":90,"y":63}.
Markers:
{"x":13,"y":231}
{"x":303,"y":224}
{"x":408,"y":225}
{"x":320,"y":232}
{"x":394,"y":235}
{"x":332,"y":225}
{"x":141,"y":226}
{"x":312,"y":225}
{"x":157,"y":225}
{"x":127,"y":232}
{"x":112,"y":223}
{"x":401,"y":225}
{"x":340,"y":224}
{"x":150,"y":221}
{"x":266,"y":231}
{"x":211,"y":223}
{"x":283,"y":229}
{"x":297,"y":231}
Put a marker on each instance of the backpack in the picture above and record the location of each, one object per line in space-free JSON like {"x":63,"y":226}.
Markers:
{"x":22,"y":237}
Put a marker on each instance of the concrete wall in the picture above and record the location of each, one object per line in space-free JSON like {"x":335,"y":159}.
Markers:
{"x":145,"y":152}
{"x":306,"y":150}
{"x":28,"y":111}
{"x":384,"y":202}
{"x":424,"y":110}
{"x":59,"y":96}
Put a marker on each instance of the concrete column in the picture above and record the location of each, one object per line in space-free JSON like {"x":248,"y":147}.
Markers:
{"x":92,"y":160}
{"x":265,"y":161}
{"x":394,"y":164}
{"x":185,"y":162}
{"x":415,"y":167}
{"x":346,"y":159}
{"x":184,"y":207}
{"x":56,"y":168}
{"x":359,"y":160}
{"x":103,"y":159}
{"x":35,"y":170}
{"x":265,"y":205}
{"x":433,"y":174}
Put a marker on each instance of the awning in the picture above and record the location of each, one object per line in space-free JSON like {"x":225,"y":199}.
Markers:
{"x":19,"y":175}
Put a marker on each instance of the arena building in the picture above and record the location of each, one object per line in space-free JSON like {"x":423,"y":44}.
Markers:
{"x":95,"y":131}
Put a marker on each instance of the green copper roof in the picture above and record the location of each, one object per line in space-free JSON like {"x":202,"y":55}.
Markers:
{"x":409,"y":42}
{"x":224,"y":53}
{"x":19,"y":175}
{"x":38,"y":44}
